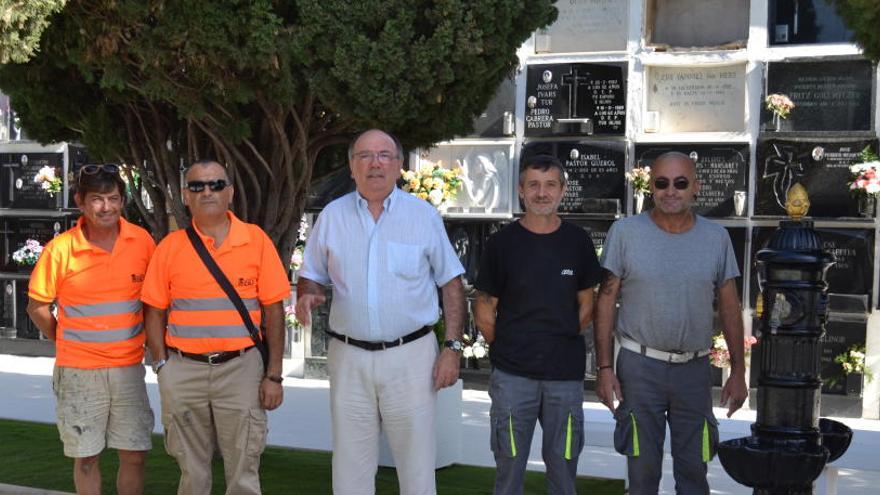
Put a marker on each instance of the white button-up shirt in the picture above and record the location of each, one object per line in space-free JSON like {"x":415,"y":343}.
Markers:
{"x":384,"y":272}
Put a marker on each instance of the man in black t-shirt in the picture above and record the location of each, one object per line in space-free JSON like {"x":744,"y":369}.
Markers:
{"x":535,"y":297}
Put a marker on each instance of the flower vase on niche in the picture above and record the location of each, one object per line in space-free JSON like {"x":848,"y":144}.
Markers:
{"x":867,"y":206}
{"x":854,"y":382}
{"x":638,"y":202}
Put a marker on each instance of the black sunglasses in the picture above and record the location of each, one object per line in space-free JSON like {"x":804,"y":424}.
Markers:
{"x":680,"y":183}
{"x":198,"y":186}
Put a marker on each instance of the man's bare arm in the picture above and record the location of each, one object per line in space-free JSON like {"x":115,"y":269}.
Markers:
{"x":309,"y":294}
{"x":275,"y":330}
{"x":607,"y":385}
{"x":735,"y":391}
{"x":446,"y":366}
{"x":41,"y":314}
{"x":585,"y":307}
{"x":155,"y":320}
{"x":485,"y":311}
{"x":453,"y":308}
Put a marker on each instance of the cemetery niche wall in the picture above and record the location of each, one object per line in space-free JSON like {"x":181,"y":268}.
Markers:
{"x":575,"y":99}
{"x":695,"y":23}
{"x":585,"y":26}
{"x":595,"y":182}
{"x":820,"y":165}
{"x":498,"y":119}
{"x":831,"y":95}
{"x":695,"y":98}
{"x":722,"y":169}
{"x":805,"y":21}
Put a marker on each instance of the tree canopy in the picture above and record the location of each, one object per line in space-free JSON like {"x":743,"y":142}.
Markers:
{"x":265,"y":87}
{"x":862,"y":17}
{"x":21,"y":24}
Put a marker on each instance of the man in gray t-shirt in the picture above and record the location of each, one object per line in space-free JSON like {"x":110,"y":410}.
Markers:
{"x":667,"y":266}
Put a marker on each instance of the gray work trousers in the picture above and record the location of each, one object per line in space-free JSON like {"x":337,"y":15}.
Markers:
{"x":517,"y":402}
{"x":656,"y":392}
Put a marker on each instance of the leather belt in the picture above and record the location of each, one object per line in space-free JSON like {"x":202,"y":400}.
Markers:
{"x":213,"y":358}
{"x":675,"y":357}
{"x":381,"y":346}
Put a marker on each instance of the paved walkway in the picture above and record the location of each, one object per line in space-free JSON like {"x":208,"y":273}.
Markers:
{"x":20,"y":490}
{"x":303,"y":422}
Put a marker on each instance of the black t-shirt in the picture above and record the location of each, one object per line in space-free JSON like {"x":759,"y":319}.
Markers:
{"x":536,"y":278}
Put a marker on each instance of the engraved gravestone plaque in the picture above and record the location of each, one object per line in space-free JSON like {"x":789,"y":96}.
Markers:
{"x":697,"y":99}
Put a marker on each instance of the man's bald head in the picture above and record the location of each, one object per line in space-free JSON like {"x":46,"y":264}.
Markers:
{"x":675,"y":157}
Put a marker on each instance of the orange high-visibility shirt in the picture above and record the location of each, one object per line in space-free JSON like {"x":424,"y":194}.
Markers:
{"x":201,"y":319}
{"x":100,"y":322}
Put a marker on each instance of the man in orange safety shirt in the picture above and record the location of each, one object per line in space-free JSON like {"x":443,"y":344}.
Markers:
{"x":211,"y":379}
{"x":93,"y":273}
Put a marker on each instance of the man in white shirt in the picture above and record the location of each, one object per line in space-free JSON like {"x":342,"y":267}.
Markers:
{"x":385,"y":253}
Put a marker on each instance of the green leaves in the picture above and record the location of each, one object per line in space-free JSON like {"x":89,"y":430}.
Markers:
{"x":21,"y":24}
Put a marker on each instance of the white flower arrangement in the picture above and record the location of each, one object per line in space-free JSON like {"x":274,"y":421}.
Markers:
{"x":48,"y":180}
{"x":432,"y":182}
{"x":28,"y":254}
{"x":474,"y":348}
{"x":640,"y":178}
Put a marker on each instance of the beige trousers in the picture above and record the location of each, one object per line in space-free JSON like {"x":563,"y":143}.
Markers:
{"x":208,"y":407}
{"x":392,"y":390}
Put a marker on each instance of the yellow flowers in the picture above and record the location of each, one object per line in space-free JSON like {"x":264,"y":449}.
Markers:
{"x":432,"y":182}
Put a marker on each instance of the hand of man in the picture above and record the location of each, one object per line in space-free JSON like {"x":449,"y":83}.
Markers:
{"x":734,"y":392}
{"x":271,"y":394}
{"x":446,"y":369}
{"x":607,"y":388}
{"x":305,"y":304}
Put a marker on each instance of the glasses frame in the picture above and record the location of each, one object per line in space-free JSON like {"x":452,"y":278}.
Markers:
{"x":383,"y":157}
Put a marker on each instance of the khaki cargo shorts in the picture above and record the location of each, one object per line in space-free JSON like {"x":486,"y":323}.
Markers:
{"x":100,"y":408}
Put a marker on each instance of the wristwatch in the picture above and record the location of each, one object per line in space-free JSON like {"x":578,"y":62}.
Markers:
{"x":455,"y":345}
{"x":157,"y":365}
{"x":274,"y":378}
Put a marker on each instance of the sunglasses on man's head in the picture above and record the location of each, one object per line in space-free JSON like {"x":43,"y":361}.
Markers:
{"x":197,"y":186}
{"x":110,"y":168}
{"x":680,"y":183}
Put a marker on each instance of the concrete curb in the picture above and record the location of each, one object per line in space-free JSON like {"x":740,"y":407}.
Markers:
{"x":22,"y":490}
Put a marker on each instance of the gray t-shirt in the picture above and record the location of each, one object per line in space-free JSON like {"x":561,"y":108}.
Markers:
{"x":668,"y":281}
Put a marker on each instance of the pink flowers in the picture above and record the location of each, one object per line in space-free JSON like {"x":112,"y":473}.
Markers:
{"x":719,"y":355}
{"x":779,"y":104}
{"x":865,"y":179}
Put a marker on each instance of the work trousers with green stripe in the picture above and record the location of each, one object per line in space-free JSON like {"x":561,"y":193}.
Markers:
{"x":517,"y":403}
{"x":654,"y":393}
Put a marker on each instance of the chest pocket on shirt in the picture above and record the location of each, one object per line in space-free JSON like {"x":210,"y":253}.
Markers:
{"x":405,"y":260}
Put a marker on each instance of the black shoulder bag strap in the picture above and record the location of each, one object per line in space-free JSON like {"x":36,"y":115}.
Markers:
{"x":227,"y":287}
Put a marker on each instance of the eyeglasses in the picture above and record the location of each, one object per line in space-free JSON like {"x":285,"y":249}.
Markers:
{"x":198,"y":186}
{"x":680,"y":183}
{"x":383,"y":157}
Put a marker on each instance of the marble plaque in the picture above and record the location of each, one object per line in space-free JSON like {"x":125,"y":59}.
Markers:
{"x":853,"y":272}
{"x":575,"y":99}
{"x":16,"y":231}
{"x":17,"y":186}
{"x":821,"y":166}
{"x":585,"y":26}
{"x":598,"y":230}
{"x":828,"y":95}
{"x":839,"y":337}
{"x":468,"y":239}
{"x":689,"y":23}
{"x":722,"y":170}
{"x":486,"y":180}
{"x":595,"y":174}
{"x":697,"y":99}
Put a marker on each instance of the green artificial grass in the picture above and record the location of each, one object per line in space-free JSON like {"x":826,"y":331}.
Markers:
{"x":32,"y":456}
